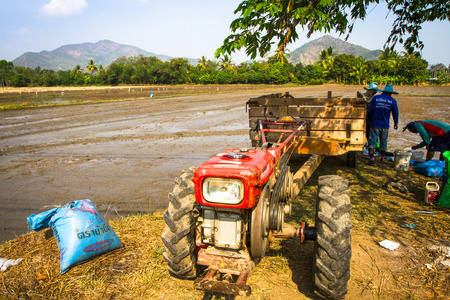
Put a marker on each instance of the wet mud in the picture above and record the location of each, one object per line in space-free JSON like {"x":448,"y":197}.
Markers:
{"x":124,"y":155}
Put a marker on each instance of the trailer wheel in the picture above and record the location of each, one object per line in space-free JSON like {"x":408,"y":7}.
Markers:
{"x":332,"y":248}
{"x":352,"y":159}
{"x":179,"y":232}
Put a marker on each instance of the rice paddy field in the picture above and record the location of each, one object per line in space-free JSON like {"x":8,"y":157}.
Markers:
{"x":124,"y":152}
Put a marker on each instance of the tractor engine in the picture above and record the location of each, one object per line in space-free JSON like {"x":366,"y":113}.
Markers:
{"x":227,"y":188}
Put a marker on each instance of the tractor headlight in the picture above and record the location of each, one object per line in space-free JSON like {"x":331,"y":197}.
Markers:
{"x":223,"y":190}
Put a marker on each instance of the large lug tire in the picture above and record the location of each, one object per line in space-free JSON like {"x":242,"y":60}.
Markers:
{"x":332,"y":248}
{"x":179,"y":232}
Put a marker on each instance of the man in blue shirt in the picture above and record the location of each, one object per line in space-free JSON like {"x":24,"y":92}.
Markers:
{"x":380,"y":109}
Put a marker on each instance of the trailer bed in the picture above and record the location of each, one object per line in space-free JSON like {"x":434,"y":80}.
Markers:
{"x":337,"y":125}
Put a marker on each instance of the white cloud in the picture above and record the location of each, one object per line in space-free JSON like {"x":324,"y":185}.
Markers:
{"x":21,"y":31}
{"x":64,"y":7}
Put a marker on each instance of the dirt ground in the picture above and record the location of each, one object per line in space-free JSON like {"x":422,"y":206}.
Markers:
{"x":124,"y":157}
{"x":121,"y":155}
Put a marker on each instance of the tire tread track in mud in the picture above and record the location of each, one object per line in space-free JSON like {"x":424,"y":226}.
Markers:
{"x":29,"y":148}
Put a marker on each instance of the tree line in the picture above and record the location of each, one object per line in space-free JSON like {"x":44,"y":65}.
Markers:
{"x":390,"y":67}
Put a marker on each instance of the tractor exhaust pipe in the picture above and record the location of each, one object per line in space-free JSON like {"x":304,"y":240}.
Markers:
{"x":304,"y":233}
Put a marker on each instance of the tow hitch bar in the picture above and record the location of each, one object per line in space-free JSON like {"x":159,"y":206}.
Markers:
{"x":219,"y":275}
{"x":304,"y":233}
{"x":210,"y":284}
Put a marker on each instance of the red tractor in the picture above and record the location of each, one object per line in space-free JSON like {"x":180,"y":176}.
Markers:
{"x":223,"y":215}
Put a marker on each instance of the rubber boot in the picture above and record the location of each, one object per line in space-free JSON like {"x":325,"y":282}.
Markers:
{"x":382,"y":153}
{"x":371,"y":156}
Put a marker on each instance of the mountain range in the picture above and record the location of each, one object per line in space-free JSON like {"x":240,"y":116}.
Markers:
{"x":309,"y":52}
{"x":105,"y":52}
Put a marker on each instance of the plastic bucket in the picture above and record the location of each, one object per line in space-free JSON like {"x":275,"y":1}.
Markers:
{"x":417,"y":155}
{"x":402,"y":159}
{"x":431,"y":192}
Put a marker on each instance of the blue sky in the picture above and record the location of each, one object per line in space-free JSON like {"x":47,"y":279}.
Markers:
{"x":176,"y":28}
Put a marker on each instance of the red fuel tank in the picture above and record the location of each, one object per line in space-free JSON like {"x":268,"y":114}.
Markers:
{"x":238,"y":173}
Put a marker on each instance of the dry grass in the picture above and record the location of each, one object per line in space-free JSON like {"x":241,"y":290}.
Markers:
{"x":378,"y":213}
{"x":137,"y":271}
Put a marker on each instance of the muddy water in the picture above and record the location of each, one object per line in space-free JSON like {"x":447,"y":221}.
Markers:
{"x":124,"y":155}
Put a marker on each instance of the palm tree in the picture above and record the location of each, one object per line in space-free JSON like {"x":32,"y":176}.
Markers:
{"x":385,"y":54}
{"x":202,"y":62}
{"x":77,"y":70}
{"x":283,"y":57}
{"x":410,"y":53}
{"x":326,"y":59}
{"x":91,"y":67}
{"x":329,"y":52}
{"x":359,"y":70}
{"x":226,"y":63}
{"x":389,"y":61}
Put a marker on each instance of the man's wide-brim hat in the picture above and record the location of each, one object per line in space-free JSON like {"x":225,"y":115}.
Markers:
{"x":409,"y":126}
{"x":388,"y":89}
{"x":372,"y":86}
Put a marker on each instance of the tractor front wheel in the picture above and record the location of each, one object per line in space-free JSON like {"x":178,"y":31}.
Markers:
{"x":332,"y":249}
{"x":179,"y":232}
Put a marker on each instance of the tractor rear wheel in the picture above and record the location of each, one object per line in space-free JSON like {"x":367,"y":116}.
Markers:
{"x":332,"y":249}
{"x":179,"y":232}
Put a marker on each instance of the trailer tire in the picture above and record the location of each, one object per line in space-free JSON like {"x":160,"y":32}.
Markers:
{"x":332,"y":248}
{"x":352,"y":159}
{"x":179,"y":231}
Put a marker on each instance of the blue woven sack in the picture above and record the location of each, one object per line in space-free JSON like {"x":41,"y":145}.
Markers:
{"x":431,"y":168}
{"x":40,"y":221}
{"x":80,"y":231}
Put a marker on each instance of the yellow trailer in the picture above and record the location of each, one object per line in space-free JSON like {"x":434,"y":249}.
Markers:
{"x":336,"y":125}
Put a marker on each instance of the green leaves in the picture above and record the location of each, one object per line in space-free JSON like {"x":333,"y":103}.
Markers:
{"x":263,"y":23}
{"x":6,"y":72}
{"x":248,"y":11}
